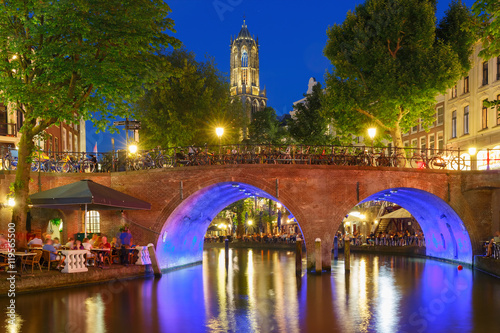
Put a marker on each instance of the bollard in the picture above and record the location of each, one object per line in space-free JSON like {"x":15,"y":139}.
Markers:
{"x":347,"y":254}
{"x":317,"y":248}
{"x":154,"y":260}
{"x":298,"y":257}
{"x":335,"y":247}
{"x":226,"y":247}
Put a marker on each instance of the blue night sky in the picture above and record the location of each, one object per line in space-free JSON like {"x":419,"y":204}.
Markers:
{"x":292,"y":35}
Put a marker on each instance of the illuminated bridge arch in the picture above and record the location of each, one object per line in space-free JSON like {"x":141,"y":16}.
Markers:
{"x":182,"y":237}
{"x":446,"y":236}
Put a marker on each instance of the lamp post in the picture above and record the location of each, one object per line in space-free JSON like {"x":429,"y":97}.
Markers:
{"x":472,"y":153}
{"x":371,"y":133}
{"x":219,"y":131}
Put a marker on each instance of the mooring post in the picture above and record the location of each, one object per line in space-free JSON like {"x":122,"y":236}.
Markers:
{"x":226,"y":247}
{"x":317,"y":248}
{"x":154,"y":260}
{"x":298,"y":256}
{"x":335,"y":247}
{"x":347,"y":253}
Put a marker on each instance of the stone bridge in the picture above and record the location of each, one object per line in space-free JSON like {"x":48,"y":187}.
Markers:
{"x":456,"y":210}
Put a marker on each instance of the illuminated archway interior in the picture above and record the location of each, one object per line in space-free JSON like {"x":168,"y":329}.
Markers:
{"x":182,"y":237}
{"x":445,"y":234}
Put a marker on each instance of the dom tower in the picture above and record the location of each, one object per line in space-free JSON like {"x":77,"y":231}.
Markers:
{"x":245,"y":82}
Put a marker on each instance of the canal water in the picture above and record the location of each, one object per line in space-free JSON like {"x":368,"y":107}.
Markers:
{"x":259,"y":292}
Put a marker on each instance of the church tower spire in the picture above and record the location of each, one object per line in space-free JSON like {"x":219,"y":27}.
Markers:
{"x":244,"y":71}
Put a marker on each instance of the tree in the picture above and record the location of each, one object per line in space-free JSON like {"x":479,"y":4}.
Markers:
{"x":265,"y":127}
{"x":390,"y":60}
{"x":309,"y":126}
{"x":186,"y":108}
{"x":487,"y":27}
{"x":66,"y":60}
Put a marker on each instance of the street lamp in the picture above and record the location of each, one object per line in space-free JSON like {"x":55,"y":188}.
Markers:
{"x":472,"y":153}
{"x":371,"y":133}
{"x":219,"y":131}
{"x":132,"y":149}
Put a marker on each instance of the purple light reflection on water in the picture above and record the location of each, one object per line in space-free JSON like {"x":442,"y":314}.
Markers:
{"x":445,"y":234}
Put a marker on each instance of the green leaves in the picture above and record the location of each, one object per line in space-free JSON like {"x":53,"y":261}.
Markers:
{"x":265,"y":127}
{"x":487,"y":27}
{"x":185,"y":108}
{"x":309,"y":126}
{"x":389,"y":63}
{"x":65,"y":60}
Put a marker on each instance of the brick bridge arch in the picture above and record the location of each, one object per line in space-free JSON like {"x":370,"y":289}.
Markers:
{"x":318,"y":196}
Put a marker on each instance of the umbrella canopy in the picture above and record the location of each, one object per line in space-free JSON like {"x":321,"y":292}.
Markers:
{"x":86,"y":194}
{"x":397,"y":214}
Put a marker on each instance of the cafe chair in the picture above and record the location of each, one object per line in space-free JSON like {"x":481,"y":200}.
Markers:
{"x":48,"y":262}
{"x":33,"y":261}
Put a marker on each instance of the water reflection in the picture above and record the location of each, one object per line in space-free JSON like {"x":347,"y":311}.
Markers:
{"x":259,"y":292}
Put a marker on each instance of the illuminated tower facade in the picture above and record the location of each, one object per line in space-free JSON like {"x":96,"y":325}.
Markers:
{"x":245,"y":82}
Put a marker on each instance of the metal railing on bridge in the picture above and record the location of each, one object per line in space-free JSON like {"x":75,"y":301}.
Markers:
{"x":122,"y":160}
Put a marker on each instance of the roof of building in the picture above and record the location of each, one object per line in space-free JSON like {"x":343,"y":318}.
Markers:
{"x":244,"y":33}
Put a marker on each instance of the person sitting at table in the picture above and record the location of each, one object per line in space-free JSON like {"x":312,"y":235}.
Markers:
{"x":53,"y":253}
{"x":97,"y":243}
{"x":78,"y":245}
{"x":94,"y":238}
{"x":87,"y":246}
{"x":104,"y":243}
{"x":4,"y":243}
{"x":56,"y":243}
{"x":71,"y":243}
{"x":46,"y":237}
{"x":35,"y":241}
{"x":114,"y":242}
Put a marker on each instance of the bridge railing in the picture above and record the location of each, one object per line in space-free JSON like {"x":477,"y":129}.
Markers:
{"x":173,"y":157}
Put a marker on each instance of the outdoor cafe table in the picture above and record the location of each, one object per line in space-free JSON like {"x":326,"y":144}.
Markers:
{"x":20,"y":255}
{"x":97,"y":252}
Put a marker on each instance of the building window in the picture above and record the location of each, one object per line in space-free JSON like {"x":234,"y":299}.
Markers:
{"x":423,"y":143}
{"x":485,"y":73}
{"x":454,"y":124}
{"x":440,"y":116}
{"x":484,"y":117}
{"x":244,"y":77}
{"x":454,"y":91}
{"x":93,"y":222}
{"x":466,"y":120}
{"x":466,"y":85}
{"x":498,"y":68}
{"x":64,"y":139}
{"x":255,"y":106}
{"x":70,"y":141}
{"x":244,"y":59}
{"x":432,"y":143}
{"x":414,"y":129}
{"x":414,"y":143}
{"x":406,"y":144}
{"x":56,"y":144}
{"x":440,"y":145}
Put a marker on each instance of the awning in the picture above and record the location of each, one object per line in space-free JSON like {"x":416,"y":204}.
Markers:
{"x":397,"y":214}
{"x":86,"y":193}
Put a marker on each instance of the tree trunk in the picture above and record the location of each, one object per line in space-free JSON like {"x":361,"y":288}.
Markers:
{"x":397,"y":138}
{"x":21,"y":189}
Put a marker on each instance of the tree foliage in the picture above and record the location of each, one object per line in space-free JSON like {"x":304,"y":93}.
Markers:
{"x":487,"y":27}
{"x":487,"y":15}
{"x":390,"y":59}
{"x":309,"y":126}
{"x":66,"y":60}
{"x":265,"y":127}
{"x":185,"y":108}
